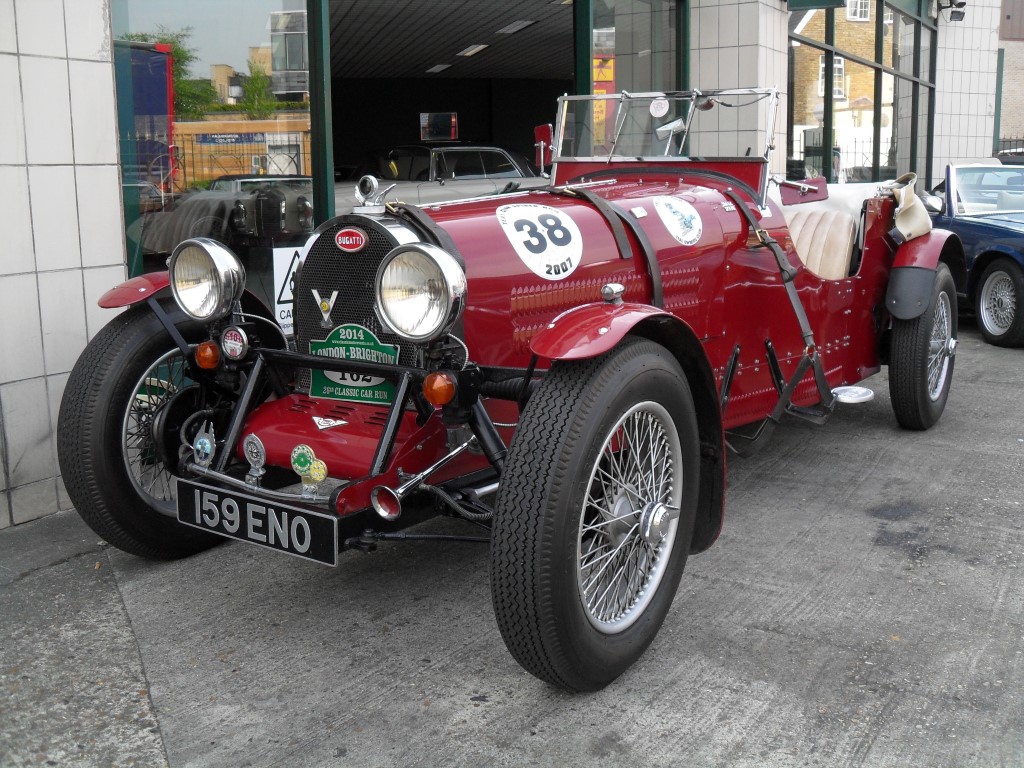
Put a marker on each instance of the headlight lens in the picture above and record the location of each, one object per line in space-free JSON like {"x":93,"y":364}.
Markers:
{"x":421,"y":291}
{"x":206,"y":278}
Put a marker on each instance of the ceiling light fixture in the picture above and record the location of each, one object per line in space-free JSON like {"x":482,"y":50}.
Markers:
{"x":473,"y":49}
{"x":515,"y":26}
{"x":437,"y":68}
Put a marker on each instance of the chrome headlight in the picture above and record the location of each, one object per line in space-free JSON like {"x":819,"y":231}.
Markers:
{"x":421,"y":291}
{"x":206,"y":278}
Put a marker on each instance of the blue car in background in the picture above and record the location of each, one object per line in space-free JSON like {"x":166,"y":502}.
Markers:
{"x":984,"y":205}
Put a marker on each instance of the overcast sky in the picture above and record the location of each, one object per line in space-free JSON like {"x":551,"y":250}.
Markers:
{"x":222,"y":30}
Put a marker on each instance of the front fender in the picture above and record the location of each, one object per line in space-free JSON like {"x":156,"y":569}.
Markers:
{"x":590,"y":330}
{"x":138,"y":289}
{"x":135,"y":291}
{"x":913,"y":272}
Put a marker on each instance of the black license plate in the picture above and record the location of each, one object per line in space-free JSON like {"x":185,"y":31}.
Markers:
{"x":238,"y":515}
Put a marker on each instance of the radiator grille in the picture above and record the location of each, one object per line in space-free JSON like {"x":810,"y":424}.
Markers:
{"x":327,"y":269}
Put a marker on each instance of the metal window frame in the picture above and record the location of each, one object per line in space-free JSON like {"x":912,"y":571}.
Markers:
{"x":321,"y":125}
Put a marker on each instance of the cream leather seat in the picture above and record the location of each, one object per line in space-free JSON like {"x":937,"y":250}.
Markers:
{"x":823,"y":238}
{"x":825,"y":232}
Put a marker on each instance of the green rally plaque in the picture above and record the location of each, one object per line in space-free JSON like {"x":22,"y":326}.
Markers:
{"x":353,"y":342}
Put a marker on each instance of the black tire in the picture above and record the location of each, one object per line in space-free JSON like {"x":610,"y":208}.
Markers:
{"x":921,"y":357}
{"x":107,"y":455}
{"x":999,"y":303}
{"x":547,"y":535}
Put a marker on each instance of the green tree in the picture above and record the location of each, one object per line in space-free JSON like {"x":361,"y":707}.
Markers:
{"x":257,"y":100}
{"x":192,"y":96}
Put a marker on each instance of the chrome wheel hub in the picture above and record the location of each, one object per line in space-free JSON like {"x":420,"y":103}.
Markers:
{"x":656,"y":521}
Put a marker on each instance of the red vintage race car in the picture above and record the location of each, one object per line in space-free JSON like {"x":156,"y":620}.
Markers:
{"x":565,"y":369}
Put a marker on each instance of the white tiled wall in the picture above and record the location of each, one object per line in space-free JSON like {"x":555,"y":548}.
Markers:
{"x":63,"y":237}
{"x":965,"y":85}
{"x":742,"y":44}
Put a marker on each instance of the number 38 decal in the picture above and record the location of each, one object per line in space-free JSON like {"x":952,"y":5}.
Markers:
{"x":545,"y":238}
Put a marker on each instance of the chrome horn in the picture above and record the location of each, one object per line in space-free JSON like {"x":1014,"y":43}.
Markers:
{"x":388,"y":501}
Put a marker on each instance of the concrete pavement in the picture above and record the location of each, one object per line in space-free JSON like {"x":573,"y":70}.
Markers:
{"x":862,"y":607}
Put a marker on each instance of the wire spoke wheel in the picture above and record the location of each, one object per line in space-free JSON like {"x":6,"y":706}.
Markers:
{"x":628,"y":522}
{"x":940,"y":350}
{"x":147,"y":472}
{"x":595,"y":514}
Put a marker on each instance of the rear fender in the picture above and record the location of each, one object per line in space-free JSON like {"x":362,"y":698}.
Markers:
{"x":913,"y":272}
{"x":139,"y":289}
{"x":594,"y":329}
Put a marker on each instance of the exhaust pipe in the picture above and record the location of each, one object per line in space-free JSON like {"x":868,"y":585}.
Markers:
{"x":387,"y":502}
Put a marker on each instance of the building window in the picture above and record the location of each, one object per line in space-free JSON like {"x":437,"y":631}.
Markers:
{"x":858,"y":10}
{"x":875,"y":121}
{"x":838,"y":77}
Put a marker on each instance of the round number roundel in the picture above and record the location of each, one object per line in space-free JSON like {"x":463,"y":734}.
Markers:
{"x":545,"y":238}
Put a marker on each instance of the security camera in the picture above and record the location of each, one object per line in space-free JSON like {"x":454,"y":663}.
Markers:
{"x":955,"y":8}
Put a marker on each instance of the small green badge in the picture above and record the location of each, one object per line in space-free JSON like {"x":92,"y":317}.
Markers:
{"x":302,"y":459}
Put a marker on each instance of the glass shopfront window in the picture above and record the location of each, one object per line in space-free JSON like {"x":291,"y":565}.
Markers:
{"x":853,"y":124}
{"x":899,"y":50}
{"x":859,"y":76}
{"x":635,"y":45}
{"x":214,"y":122}
{"x":924,"y":107}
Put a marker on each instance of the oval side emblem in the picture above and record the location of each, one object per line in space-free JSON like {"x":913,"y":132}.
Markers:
{"x":350,"y":239}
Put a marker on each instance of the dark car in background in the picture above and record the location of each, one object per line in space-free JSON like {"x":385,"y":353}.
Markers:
{"x":1012,"y":156}
{"x":435,"y":172}
{"x":984,"y":205}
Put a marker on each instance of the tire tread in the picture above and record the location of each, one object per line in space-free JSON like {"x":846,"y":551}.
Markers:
{"x":908,"y":356}
{"x":523,"y":559}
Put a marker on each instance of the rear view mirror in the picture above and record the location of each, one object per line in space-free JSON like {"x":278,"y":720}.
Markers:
{"x":542,"y":138}
{"x":933,"y":203}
